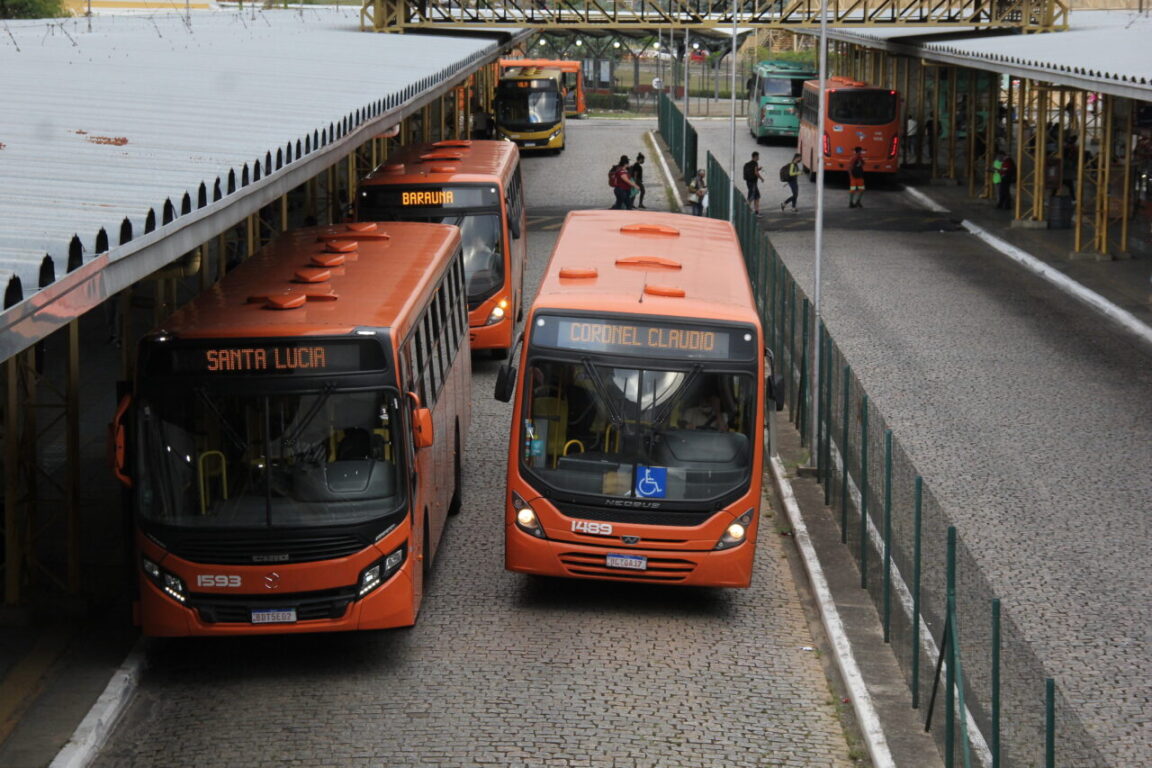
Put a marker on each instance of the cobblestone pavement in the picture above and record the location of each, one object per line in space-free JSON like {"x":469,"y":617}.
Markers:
{"x":502,"y":669}
{"x":1030,"y":418}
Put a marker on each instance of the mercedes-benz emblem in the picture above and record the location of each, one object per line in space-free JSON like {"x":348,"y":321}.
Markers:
{"x":630,"y":539}
{"x":272,"y":581}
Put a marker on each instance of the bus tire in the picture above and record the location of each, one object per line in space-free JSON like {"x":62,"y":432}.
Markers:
{"x":455,"y":505}
{"x":499,"y":353}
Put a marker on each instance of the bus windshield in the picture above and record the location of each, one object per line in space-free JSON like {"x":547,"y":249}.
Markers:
{"x":245,"y":458}
{"x":527,"y":108}
{"x":632,"y":432}
{"x":862,"y":107}
{"x":480,"y":229}
{"x":782,"y":86}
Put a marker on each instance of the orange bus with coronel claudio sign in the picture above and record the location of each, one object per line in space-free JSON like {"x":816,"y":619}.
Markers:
{"x":477,"y":186}
{"x":640,"y":406}
{"x":293,"y":438}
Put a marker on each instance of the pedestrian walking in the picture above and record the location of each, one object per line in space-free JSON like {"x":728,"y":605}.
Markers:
{"x":753,"y":177}
{"x":636,"y":171}
{"x":790,"y":174}
{"x":622,"y":185}
{"x":856,"y":179}
{"x":698,"y":193}
{"x":1002,"y":170}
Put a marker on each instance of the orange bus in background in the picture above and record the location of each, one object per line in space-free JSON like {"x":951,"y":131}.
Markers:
{"x":575,"y":104}
{"x":475,"y":185}
{"x":294,"y":435}
{"x":638,"y":428}
{"x":856,"y":115}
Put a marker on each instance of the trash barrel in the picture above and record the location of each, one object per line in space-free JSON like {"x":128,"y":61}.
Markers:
{"x":1060,"y":208}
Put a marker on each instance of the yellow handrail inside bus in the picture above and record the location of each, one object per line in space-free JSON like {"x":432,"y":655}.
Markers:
{"x":221,"y":472}
{"x":571,"y":443}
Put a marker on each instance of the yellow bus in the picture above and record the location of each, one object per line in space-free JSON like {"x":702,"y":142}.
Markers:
{"x":638,"y":430}
{"x":530,"y":108}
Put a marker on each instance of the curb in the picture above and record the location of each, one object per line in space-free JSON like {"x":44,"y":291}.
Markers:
{"x":93,"y":730}
{"x":669,"y":177}
{"x":866,"y":716}
{"x":1054,"y":276}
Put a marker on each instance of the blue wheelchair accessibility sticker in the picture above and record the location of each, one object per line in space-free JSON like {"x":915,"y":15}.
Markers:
{"x":651,"y":482}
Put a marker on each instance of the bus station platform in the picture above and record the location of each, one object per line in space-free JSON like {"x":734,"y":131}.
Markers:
{"x":65,"y":674}
{"x":1119,"y":286}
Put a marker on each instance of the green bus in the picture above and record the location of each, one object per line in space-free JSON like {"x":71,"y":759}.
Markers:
{"x":774,"y":97}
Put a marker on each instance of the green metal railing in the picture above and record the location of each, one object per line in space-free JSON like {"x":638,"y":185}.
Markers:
{"x":679,"y":134}
{"x":925,"y":583}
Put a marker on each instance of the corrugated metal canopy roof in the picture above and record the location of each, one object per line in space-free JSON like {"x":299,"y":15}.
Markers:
{"x":109,"y":124}
{"x":1105,"y":51}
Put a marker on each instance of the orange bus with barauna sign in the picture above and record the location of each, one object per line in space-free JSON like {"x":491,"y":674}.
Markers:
{"x":575,"y":103}
{"x":293,"y":437}
{"x":638,"y":425}
{"x":856,"y":115}
{"x":475,"y":185}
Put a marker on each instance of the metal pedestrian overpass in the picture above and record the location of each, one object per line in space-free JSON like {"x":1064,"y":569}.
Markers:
{"x":639,"y":15}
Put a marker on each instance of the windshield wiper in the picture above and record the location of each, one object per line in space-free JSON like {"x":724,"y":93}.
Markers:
{"x":228,"y":429}
{"x":664,"y":410}
{"x":289,"y":439}
{"x":601,"y":390}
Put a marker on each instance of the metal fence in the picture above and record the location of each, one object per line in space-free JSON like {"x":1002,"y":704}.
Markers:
{"x":969,"y":668}
{"x":679,"y":134}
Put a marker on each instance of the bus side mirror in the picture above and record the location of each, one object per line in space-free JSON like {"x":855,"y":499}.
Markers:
{"x":118,"y":442}
{"x":774,"y":390}
{"x":422,"y":427}
{"x":505,"y":383}
{"x":423,"y":433}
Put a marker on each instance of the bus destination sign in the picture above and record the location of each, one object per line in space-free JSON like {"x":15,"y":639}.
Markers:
{"x":396,"y":198}
{"x":259,"y":359}
{"x":644,"y":338}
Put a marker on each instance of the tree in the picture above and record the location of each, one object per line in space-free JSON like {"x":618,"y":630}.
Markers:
{"x":32,"y":9}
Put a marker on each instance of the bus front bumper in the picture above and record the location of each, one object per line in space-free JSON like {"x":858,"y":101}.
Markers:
{"x":524,"y":553}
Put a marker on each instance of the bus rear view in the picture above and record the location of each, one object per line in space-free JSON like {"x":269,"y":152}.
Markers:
{"x":639,"y":407}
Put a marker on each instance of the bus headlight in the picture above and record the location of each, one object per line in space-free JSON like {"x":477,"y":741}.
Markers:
{"x":526,"y":519}
{"x":555,"y":133}
{"x":498,"y":312}
{"x":380,"y":571}
{"x":168,"y":583}
{"x":736,"y":532}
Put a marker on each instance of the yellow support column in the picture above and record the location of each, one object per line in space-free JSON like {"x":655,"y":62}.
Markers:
{"x":72,"y":438}
{"x":13,"y":506}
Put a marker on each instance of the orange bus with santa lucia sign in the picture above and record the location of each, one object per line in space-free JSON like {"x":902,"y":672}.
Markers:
{"x":293,"y":438}
{"x":477,"y":186}
{"x":641,"y":401}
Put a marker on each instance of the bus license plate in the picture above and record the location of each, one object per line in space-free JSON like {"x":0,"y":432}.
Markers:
{"x":274,"y":616}
{"x":631,"y":562}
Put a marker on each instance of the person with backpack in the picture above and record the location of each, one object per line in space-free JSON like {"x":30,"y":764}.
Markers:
{"x":622,"y":185}
{"x":789,"y":173}
{"x":856,"y":179}
{"x":753,"y":177}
